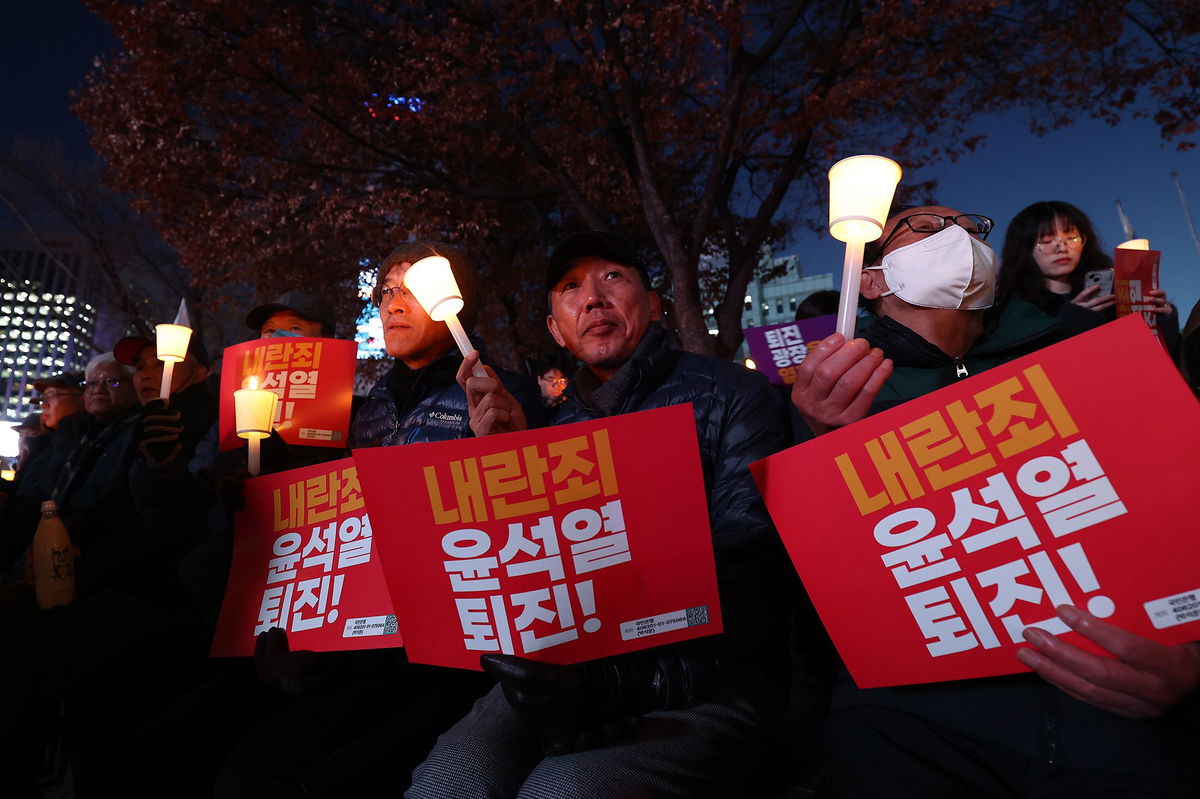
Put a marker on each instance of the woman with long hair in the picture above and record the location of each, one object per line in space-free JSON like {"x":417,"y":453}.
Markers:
{"x":1049,"y":249}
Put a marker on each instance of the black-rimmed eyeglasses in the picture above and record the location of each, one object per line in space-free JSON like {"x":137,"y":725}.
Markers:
{"x":977,"y":225}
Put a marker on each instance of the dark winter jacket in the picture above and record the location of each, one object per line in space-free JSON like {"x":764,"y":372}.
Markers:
{"x":168,"y":508}
{"x":94,"y":482}
{"x":739,"y":420}
{"x":1021,"y":713}
{"x":409,"y":406}
{"x":1016,"y":328}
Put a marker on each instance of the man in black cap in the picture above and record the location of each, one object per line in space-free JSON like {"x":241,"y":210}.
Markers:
{"x":693,"y":719}
{"x":61,"y":397}
{"x":294,"y":313}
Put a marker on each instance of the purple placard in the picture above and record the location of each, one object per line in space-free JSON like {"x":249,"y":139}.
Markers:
{"x":778,"y":349}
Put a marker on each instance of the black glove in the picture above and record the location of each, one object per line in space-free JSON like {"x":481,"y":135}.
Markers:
{"x":592,"y":704}
{"x":282,"y":669}
{"x":231,"y":490}
{"x":578,"y":707}
{"x":162,"y":427}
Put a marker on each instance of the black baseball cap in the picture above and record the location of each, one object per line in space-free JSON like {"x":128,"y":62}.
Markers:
{"x":63,"y":380}
{"x":127,"y":349}
{"x":309,"y":306}
{"x":597,"y":244}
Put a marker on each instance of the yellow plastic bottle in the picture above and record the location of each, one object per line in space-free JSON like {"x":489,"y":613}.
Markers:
{"x":53,"y":561}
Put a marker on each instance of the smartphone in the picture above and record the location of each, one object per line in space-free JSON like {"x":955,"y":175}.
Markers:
{"x":1102,"y":278}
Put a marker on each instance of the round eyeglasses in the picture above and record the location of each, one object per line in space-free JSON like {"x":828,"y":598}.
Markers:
{"x":1049,"y":245}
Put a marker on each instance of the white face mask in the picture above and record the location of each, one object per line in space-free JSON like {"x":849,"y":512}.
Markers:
{"x":950,"y":269}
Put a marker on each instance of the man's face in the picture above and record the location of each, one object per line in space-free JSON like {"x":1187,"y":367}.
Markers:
{"x":552,"y":382}
{"x":58,"y":403}
{"x":289,"y":322}
{"x":108,"y":392}
{"x":408,"y":332}
{"x":599,"y":311}
{"x":147,"y":374}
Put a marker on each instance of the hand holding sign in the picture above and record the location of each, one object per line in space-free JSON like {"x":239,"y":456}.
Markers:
{"x":836,"y":384}
{"x":1143,"y":679}
{"x":491,"y":407}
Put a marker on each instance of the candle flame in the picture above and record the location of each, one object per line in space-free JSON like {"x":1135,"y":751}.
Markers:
{"x":252,"y":383}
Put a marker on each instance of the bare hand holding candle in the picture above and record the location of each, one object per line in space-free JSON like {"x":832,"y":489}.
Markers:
{"x":432,"y":282}
{"x":254,"y":409}
{"x":860,"y":192}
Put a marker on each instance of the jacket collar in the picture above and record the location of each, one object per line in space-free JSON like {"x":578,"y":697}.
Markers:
{"x":653,"y":357}
{"x":1011,"y":325}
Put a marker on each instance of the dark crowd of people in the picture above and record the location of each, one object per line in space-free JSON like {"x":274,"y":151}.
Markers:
{"x":115,"y":692}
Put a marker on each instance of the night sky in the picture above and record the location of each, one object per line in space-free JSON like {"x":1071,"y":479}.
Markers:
{"x":48,"y":47}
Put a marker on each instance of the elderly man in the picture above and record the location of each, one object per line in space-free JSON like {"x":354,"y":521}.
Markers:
{"x":60,"y":398}
{"x":689,"y":720}
{"x":94,"y":501}
{"x":95,"y":474}
{"x":61,"y":421}
{"x":1085,"y":725}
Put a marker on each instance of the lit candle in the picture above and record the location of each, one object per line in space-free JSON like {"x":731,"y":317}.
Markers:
{"x":172,"y":344}
{"x":432,"y":282}
{"x":860,"y":192}
{"x":1134,"y":244}
{"x":254,"y":409}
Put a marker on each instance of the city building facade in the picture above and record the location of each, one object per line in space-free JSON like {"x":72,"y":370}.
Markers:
{"x":47,"y":317}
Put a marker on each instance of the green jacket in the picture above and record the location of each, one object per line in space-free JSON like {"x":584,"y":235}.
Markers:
{"x":1014,"y":329}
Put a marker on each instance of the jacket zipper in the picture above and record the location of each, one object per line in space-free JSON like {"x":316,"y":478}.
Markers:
{"x":960,"y":369}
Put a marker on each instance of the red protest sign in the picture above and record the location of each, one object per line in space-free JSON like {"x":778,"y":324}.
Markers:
{"x":562,"y":545}
{"x":314,"y":378}
{"x":1135,"y":273}
{"x":304,"y":559}
{"x":944,"y":526}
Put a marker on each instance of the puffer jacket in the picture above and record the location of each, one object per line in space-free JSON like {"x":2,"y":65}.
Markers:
{"x":739,"y":420}
{"x":434,"y":408}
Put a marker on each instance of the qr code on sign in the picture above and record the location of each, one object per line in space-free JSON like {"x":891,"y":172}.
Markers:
{"x":390,"y":627}
{"x":697,"y":615}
